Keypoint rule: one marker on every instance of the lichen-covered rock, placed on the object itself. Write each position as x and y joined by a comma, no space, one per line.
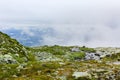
116,63
57,62
81,74
43,56
7,59
75,49
92,56
21,66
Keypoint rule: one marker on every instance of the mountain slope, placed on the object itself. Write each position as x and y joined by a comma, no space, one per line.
11,51
10,45
57,62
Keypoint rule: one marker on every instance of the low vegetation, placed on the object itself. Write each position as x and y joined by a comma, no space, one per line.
18,62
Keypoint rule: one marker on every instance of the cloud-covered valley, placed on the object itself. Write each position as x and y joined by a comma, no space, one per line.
66,22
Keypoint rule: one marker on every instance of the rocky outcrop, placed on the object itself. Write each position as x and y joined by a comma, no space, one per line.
81,74
57,62
92,56
102,53
43,56
11,49
75,49
8,59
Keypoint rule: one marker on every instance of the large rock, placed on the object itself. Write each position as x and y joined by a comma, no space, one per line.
92,56
81,74
7,59
75,49
43,56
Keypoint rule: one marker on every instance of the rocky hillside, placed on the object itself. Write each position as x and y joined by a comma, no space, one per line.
11,51
18,62
10,45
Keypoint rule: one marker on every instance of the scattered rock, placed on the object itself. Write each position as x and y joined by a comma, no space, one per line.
75,49
43,56
81,74
7,59
21,66
92,56
116,63
15,76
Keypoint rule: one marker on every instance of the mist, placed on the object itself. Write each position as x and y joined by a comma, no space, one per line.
74,22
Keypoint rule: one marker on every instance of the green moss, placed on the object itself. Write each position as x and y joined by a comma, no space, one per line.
113,57
77,55
86,49
8,70
83,78
55,50
51,70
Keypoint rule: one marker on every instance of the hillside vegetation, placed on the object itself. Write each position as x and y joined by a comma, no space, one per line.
18,62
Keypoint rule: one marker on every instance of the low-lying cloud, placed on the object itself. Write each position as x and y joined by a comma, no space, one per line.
74,22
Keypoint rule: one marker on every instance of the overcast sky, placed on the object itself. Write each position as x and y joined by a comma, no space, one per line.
75,22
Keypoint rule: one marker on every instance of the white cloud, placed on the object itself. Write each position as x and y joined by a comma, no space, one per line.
75,22
89,35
